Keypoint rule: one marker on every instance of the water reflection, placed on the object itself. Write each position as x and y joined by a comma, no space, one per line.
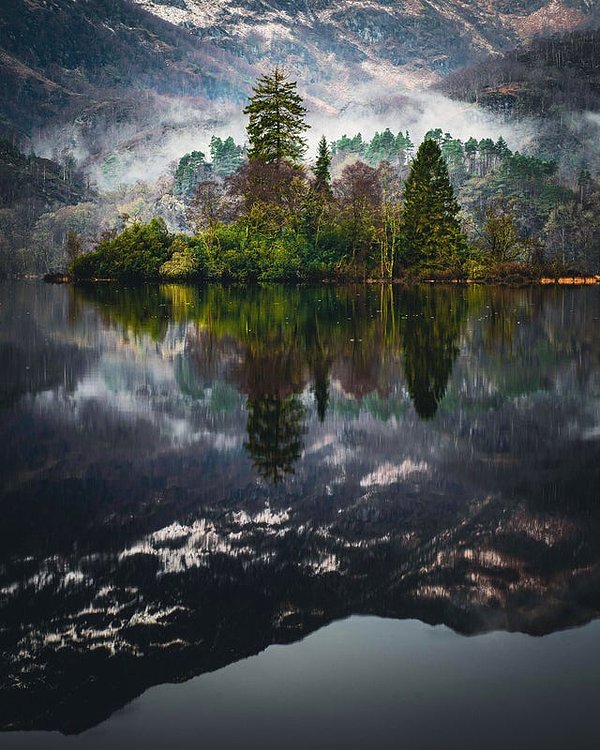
277,342
190,474
275,427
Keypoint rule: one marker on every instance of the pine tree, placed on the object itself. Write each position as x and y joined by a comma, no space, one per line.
322,168
276,120
191,170
432,233
226,156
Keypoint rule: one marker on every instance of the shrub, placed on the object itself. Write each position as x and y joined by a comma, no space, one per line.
185,261
138,252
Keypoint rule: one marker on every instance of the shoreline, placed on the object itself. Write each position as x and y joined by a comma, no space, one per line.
60,278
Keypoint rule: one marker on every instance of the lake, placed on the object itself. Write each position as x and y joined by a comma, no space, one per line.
307,517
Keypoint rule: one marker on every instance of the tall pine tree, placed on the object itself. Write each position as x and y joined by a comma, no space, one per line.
276,120
322,168
432,235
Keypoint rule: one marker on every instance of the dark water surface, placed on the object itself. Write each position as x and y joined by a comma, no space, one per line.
193,475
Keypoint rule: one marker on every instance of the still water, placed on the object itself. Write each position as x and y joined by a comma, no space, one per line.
313,517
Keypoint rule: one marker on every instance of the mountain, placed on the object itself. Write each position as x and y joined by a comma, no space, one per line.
554,82
88,61
336,41
124,88
93,76
546,76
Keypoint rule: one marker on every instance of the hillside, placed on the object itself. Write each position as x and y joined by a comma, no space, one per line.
123,89
548,75
411,42
89,60
553,82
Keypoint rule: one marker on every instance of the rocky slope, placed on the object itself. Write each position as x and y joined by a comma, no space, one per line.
547,76
88,61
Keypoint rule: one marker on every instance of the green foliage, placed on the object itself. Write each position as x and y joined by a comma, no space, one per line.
226,156
354,145
276,120
383,146
235,256
137,253
431,231
191,169
185,261
386,217
323,168
500,236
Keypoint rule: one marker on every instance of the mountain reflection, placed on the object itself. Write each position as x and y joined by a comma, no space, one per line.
191,474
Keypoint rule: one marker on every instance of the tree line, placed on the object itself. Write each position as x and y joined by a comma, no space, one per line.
364,209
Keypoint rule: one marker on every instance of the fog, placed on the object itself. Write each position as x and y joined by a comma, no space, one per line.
146,149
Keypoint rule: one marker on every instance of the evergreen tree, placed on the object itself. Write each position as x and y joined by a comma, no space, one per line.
276,120
431,228
322,168
191,170
226,156
436,135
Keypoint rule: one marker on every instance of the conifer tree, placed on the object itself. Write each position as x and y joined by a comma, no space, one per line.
276,120
322,168
275,435
431,228
226,155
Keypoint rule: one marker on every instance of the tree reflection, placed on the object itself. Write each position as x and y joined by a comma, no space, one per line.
275,428
434,320
276,341
321,388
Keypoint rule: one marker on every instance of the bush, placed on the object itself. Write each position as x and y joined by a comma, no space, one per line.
514,272
85,266
280,262
187,260
138,252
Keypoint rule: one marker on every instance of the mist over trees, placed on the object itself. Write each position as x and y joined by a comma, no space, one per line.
284,222
364,208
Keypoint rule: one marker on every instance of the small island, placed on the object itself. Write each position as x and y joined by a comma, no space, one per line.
271,217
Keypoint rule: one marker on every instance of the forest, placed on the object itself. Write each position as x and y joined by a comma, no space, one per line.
362,210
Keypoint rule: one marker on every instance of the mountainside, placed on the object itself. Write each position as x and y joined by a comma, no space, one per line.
89,61
554,82
203,51
548,75
124,88
329,40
